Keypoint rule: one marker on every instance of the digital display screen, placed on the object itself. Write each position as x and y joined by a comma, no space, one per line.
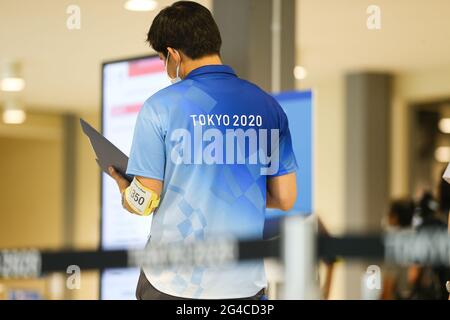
126,85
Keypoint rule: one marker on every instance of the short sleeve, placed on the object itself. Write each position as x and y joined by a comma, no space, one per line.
147,155
287,161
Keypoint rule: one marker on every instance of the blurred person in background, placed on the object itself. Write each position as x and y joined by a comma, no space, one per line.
428,282
428,213
395,277
329,263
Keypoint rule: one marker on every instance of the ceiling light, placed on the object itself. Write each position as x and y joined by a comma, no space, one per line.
442,154
12,84
141,5
300,73
14,116
11,79
13,113
444,125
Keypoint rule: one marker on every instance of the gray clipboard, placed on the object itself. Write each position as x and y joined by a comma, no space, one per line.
106,153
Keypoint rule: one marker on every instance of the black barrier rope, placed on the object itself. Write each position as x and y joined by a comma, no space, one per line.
34,263
353,246
425,248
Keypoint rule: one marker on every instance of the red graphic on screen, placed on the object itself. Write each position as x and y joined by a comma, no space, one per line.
145,66
128,109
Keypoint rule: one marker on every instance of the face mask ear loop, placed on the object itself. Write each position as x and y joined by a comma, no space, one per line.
167,60
177,78
178,68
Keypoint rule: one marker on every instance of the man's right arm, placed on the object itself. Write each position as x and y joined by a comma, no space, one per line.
281,191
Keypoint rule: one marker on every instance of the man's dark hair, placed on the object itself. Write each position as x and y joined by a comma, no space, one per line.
403,210
186,26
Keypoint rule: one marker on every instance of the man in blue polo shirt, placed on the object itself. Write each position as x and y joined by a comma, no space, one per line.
210,153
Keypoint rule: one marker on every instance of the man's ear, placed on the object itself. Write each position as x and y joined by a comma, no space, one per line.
174,54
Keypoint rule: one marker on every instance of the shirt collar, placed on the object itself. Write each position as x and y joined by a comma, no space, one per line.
210,69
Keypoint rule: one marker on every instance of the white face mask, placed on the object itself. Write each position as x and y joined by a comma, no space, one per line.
177,78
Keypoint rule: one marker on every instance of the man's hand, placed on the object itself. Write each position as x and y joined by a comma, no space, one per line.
122,183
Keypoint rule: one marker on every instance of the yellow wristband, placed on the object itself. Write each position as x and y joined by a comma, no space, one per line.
142,200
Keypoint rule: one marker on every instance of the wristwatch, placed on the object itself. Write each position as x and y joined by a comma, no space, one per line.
448,286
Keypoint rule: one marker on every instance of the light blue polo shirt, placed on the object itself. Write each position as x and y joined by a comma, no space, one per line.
213,139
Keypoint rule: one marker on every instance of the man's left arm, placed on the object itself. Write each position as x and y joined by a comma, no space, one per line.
152,184
146,162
